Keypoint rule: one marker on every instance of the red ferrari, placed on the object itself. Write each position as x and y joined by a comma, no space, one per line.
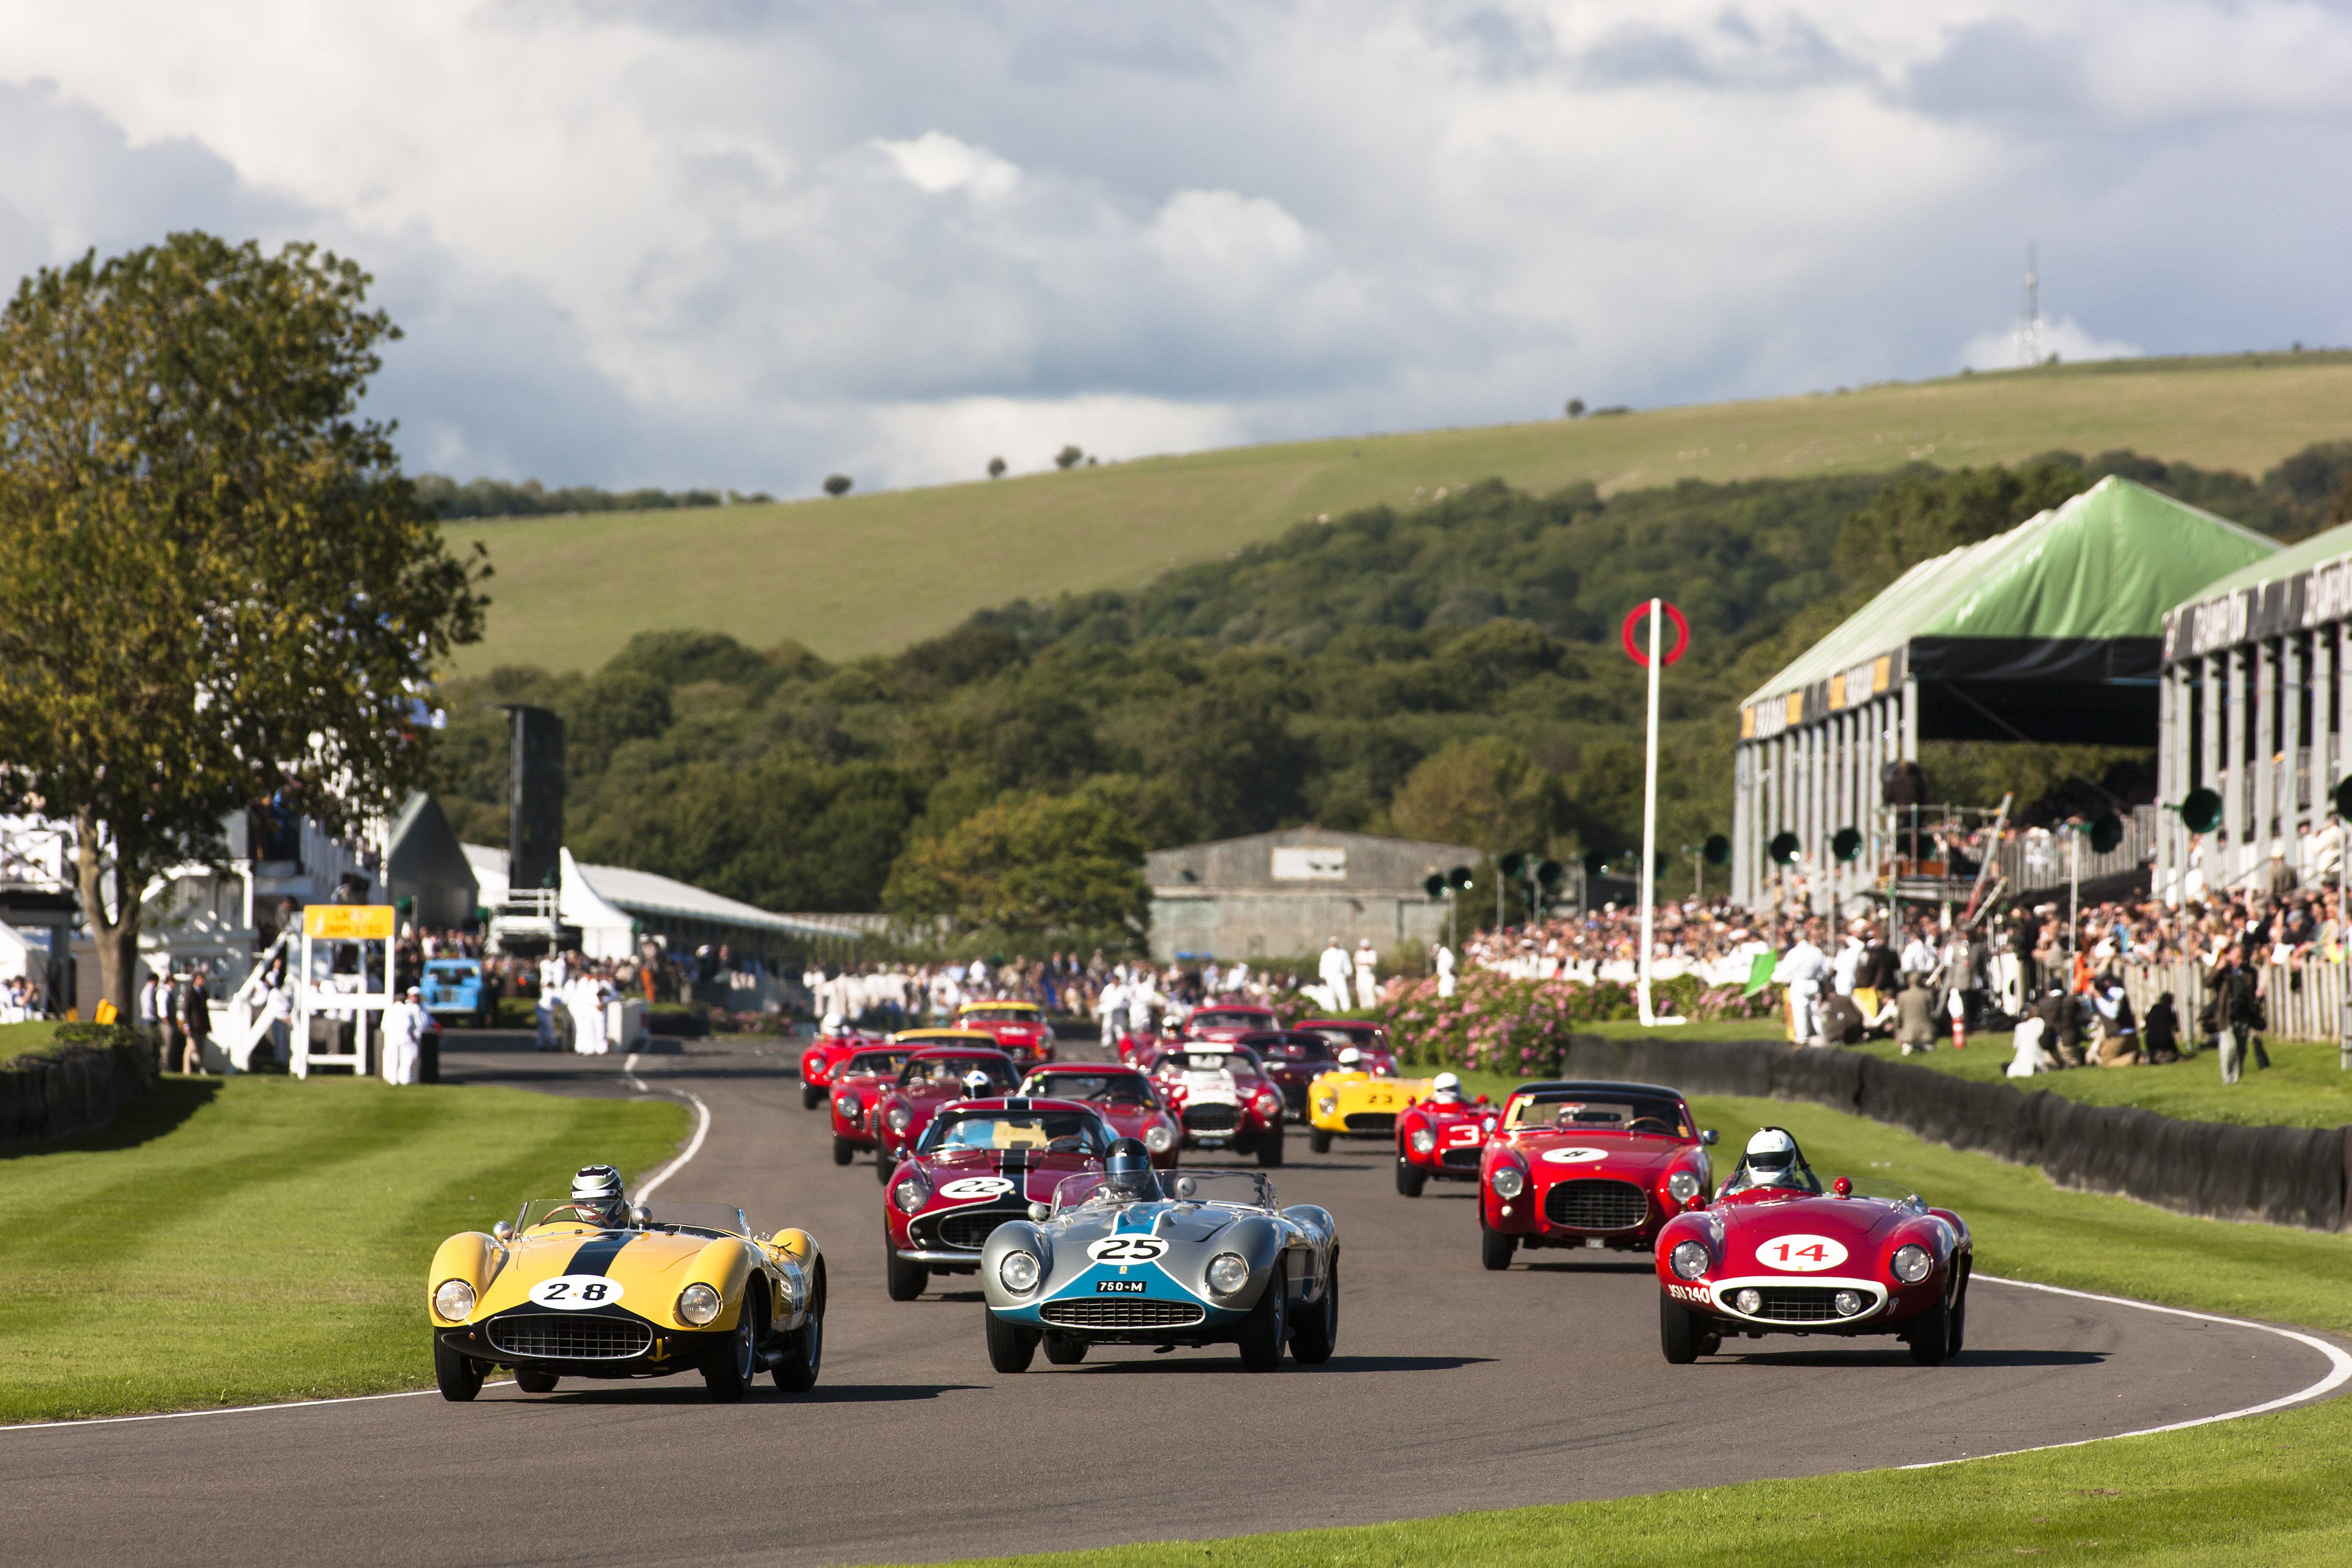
1380,1056
858,1087
936,1073
977,1163
1229,1020
1122,1096
823,1059
1019,1029
1440,1140
1222,1097
1588,1164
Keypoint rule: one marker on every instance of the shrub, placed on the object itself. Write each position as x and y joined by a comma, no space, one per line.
1520,1027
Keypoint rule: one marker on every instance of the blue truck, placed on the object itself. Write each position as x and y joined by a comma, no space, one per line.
456,993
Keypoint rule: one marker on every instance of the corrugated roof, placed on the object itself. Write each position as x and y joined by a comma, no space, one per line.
2110,562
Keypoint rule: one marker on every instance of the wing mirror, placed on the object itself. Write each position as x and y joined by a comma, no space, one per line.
1842,1187
640,1216
503,1230
1709,1135
1041,1212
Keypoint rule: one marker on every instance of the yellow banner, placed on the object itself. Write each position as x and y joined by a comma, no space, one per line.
347,922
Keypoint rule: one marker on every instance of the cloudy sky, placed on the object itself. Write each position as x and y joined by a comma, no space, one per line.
748,244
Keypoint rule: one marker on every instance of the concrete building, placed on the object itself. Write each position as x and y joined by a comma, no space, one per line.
1284,895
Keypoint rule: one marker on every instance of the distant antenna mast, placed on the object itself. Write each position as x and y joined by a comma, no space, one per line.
2028,324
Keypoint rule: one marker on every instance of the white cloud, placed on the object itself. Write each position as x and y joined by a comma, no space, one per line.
639,244
2063,337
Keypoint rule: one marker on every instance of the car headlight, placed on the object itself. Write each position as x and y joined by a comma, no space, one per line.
1509,1182
1159,1139
1268,1102
1913,1263
1847,1302
899,1119
1689,1259
1228,1272
697,1304
847,1105
910,1194
1325,1104
1683,1186
1749,1302
1423,1140
453,1300
1019,1271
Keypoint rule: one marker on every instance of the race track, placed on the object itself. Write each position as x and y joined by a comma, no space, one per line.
1453,1389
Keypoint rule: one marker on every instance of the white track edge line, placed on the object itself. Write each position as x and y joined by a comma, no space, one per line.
2339,1372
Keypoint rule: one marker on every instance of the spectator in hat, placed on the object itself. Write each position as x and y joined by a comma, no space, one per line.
2237,1008
1915,1015
2277,876
2160,1031
2118,1044
1366,975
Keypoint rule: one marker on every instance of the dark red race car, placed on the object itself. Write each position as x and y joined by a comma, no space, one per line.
1293,1058
1229,1020
859,1086
1122,1096
963,1066
1221,1096
1379,1056
824,1059
1775,1254
1020,1028
1588,1164
1440,1140
977,1163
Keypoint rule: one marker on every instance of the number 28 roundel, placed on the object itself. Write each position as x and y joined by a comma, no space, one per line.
576,1292
1800,1254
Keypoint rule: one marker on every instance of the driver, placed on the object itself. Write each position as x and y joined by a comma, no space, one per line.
1445,1088
1352,1059
1773,1160
597,1199
1126,1172
834,1026
975,1085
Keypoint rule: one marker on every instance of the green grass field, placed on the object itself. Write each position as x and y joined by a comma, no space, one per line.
26,1040
235,1241
871,574
2303,1086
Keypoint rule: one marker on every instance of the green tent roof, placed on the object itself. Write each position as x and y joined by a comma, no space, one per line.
2109,563
2317,551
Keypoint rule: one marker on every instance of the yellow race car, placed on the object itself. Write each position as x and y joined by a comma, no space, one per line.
608,1289
1352,1103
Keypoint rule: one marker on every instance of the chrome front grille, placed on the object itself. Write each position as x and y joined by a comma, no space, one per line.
1370,1121
1597,1204
565,1336
1460,1159
1800,1304
966,1229
1122,1314
1212,1118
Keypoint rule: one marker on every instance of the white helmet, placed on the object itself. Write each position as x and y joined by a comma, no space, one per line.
596,1184
1445,1086
1349,1056
1772,1153
835,1024
975,1084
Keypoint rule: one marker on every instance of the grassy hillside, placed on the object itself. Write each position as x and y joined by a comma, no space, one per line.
871,574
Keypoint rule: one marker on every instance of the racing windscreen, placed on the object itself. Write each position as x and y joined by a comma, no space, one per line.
1617,1112
1058,1131
1103,1087
1241,1189
876,1064
999,1072
554,1215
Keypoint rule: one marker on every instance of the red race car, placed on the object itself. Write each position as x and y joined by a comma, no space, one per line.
1222,1097
1440,1139
1020,1028
1122,1096
1775,1254
1588,1164
858,1087
1379,1056
1229,1020
824,1059
976,1165
1293,1058
945,1064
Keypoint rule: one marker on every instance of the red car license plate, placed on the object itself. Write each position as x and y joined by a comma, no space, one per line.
1118,1287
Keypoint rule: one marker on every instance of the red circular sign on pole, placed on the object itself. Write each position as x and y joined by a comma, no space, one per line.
1642,612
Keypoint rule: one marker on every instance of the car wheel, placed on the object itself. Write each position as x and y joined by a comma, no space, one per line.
1065,1349
1270,1148
843,1150
729,1372
812,1096
883,1166
531,1382
804,1348
1931,1334
1319,1141
1679,1331
1263,1331
1959,1317
1317,1328
460,1377
1010,1345
1410,1177
1494,1248
907,1279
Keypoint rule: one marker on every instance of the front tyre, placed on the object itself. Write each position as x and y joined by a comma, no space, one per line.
1410,1177
1010,1345
843,1150
531,1382
460,1376
905,1278
1270,1148
1317,1328
804,1348
812,1096
1495,1248
729,1372
883,1166
1065,1350
1931,1334
1680,1333
1319,1141
1959,1317
1267,1325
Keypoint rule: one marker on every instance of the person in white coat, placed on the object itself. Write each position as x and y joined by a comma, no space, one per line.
589,1036
404,1036
1367,973
1444,970
1336,971
1112,1003
1804,969
553,975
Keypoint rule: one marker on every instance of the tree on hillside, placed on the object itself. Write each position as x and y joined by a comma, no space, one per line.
1039,868
837,484
995,467
1575,409
214,582
1068,457
1484,792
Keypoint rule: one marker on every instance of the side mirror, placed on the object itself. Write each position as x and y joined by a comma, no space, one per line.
1842,1187
503,1230
1709,1136
640,1216
1041,1212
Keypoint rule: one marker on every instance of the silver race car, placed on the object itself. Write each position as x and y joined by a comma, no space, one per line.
1137,1256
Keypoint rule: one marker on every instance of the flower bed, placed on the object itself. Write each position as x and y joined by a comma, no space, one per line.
1520,1027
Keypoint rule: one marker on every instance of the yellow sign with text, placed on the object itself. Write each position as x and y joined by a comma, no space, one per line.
347,922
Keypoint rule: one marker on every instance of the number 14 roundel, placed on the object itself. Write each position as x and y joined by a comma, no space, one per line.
1800,1254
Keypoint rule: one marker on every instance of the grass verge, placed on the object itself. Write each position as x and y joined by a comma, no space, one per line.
26,1040
254,1238
2303,1087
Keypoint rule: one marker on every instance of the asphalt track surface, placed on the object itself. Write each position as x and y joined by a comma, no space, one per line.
1451,1389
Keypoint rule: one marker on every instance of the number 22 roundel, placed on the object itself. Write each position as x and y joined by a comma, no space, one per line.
1800,1254
576,1292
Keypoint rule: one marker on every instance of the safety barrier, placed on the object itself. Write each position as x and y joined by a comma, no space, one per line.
95,1071
2281,1175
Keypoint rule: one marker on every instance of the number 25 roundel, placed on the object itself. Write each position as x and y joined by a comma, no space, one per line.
1127,1249
1800,1254
576,1292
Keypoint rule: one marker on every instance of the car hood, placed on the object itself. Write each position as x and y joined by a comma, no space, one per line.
1033,1174
1858,1225
1186,1223
651,1266
1560,1155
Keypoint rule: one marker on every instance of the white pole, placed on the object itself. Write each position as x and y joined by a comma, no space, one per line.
1650,823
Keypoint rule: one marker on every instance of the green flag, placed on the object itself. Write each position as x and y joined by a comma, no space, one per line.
1760,973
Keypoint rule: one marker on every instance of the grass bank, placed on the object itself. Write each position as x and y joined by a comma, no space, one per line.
26,1040
254,1239
2303,1087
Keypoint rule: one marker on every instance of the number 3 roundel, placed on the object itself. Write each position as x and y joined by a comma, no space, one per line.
1800,1254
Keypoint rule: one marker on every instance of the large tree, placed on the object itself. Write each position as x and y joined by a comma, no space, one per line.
216,586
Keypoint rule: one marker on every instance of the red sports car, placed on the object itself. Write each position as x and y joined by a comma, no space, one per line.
934,1075
1122,1096
859,1086
1380,1056
1440,1140
976,1165
1229,1020
1588,1164
823,1059
1222,1097
1020,1028
1775,1254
